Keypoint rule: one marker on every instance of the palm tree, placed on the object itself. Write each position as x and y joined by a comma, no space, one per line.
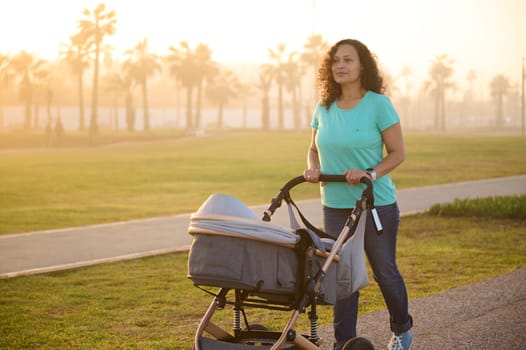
183,67
314,50
146,65
441,71
76,54
499,87
127,81
265,83
26,67
41,90
206,72
223,87
279,76
293,73
112,85
245,91
4,82
96,25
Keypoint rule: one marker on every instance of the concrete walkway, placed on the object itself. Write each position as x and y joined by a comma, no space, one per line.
489,315
45,251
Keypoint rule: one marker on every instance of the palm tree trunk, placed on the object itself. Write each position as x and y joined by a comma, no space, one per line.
94,127
245,112
280,107
80,84
500,118
443,111
265,111
437,110
130,112
145,106
189,126
197,121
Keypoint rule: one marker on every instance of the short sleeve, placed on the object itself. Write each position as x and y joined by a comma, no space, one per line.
315,117
387,114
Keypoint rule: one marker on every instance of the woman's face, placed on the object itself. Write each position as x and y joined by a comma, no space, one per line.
346,67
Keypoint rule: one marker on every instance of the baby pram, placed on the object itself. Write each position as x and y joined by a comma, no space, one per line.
257,264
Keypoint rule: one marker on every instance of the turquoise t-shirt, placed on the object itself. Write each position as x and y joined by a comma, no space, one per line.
352,139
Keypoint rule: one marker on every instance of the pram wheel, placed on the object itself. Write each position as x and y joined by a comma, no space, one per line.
358,344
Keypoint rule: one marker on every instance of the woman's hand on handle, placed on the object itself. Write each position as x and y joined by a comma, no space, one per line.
353,176
311,175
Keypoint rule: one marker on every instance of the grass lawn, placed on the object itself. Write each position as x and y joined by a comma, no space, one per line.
150,304
44,189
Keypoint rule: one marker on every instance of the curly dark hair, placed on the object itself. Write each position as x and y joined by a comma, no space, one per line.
370,77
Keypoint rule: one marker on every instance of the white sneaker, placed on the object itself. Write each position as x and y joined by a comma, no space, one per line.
401,342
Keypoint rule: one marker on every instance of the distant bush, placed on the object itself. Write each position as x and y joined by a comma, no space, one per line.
511,207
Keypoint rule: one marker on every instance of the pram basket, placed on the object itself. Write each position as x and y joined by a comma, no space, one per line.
256,264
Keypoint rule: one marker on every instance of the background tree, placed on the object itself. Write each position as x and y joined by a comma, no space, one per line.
4,83
293,72
183,67
244,92
311,56
113,85
222,88
499,87
96,25
42,92
145,65
127,81
207,71
440,72
265,83
471,77
76,55
26,67
278,71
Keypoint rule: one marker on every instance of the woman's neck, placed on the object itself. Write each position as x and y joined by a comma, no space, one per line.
352,94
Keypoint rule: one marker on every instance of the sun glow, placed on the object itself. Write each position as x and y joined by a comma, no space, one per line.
485,35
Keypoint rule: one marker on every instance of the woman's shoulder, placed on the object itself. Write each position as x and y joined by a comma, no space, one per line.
376,96
378,99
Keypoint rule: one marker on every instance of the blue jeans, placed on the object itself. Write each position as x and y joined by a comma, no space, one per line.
381,253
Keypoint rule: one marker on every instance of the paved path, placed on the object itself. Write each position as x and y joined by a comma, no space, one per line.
45,251
489,315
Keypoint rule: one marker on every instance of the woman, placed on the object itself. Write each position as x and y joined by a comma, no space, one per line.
351,125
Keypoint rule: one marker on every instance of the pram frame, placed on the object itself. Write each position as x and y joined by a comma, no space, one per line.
288,336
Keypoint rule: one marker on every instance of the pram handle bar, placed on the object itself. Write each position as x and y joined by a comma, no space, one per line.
284,192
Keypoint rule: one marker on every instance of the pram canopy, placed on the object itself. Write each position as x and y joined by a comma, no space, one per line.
225,215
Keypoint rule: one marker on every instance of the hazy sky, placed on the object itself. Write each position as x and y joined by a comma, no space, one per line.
486,35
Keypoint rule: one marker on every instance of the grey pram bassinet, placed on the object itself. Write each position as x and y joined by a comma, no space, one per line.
233,248
261,265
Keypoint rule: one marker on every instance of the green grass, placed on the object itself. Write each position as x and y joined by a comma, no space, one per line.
150,304
496,207
65,187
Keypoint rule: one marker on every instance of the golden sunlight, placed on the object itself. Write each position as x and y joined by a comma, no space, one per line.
480,44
